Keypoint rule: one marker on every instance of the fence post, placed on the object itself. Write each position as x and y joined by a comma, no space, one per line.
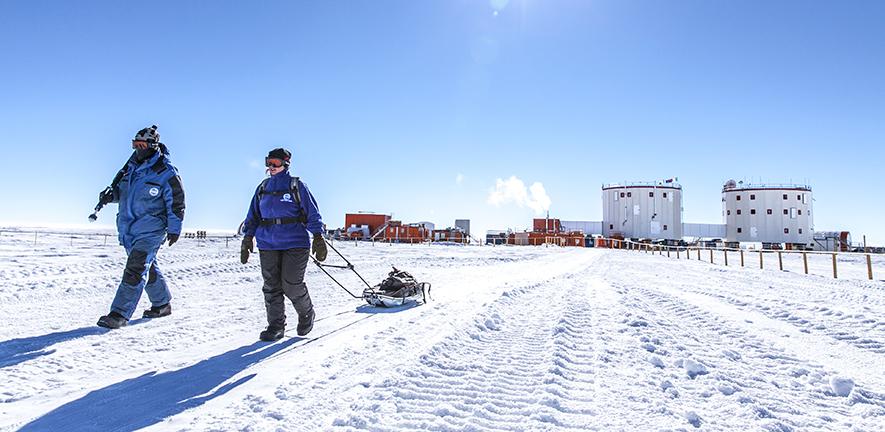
668,251
35,238
780,260
760,259
725,254
869,267
835,274
805,261
105,239
699,254
742,257
711,256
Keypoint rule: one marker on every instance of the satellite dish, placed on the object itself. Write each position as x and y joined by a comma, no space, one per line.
730,184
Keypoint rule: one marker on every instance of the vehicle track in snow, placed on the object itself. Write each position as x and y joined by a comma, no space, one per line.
758,380
539,358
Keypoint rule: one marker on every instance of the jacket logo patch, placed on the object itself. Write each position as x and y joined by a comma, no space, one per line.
286,198
154,191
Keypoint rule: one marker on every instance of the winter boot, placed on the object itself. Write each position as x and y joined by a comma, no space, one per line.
158,311
271,334
305,322
112,320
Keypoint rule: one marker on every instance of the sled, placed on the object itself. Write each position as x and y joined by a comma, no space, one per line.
398,289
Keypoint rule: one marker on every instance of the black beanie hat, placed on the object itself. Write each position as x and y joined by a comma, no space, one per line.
280,153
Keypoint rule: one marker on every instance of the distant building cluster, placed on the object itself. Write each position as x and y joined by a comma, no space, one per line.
773,215
381,227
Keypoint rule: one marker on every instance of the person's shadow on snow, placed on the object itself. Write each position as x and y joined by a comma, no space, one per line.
15,351
146,400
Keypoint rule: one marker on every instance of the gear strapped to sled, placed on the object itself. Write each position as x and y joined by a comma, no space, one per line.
398,289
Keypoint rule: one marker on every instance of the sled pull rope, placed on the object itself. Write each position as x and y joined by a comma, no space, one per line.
321,266
349,266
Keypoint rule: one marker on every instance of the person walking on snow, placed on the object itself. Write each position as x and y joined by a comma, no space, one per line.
281,216
151,210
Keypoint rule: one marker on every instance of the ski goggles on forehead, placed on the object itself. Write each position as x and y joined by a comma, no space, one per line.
273,162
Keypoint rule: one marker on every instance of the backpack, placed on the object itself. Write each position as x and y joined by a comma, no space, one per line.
296,196
399,284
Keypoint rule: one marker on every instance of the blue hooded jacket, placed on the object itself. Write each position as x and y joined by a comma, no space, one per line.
151,198
282,205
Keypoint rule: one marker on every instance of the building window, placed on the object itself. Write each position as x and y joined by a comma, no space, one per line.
752,211
768,211
651,194
728,212
629,194
800,230
739,211
752,196
739,230
785,211
665,227
622,194
800,212
799,197
786,230
611,226
665,194
785,196
738,198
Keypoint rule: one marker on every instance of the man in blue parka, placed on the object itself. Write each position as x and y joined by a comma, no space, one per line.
151,210
282,216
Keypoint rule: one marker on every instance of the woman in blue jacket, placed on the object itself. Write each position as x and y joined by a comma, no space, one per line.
151,210
282,215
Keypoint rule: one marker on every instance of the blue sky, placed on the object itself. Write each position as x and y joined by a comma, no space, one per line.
417,108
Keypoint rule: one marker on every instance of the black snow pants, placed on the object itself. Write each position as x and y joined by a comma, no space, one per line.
283,272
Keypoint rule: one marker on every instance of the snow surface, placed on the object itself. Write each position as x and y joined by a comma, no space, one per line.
515,338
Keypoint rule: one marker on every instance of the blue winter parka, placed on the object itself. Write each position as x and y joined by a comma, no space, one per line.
276,203
151,199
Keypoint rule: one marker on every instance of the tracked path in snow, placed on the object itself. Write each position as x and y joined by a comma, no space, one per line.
550,356
753,371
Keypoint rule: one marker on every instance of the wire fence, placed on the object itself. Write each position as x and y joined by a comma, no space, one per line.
836,264
37,237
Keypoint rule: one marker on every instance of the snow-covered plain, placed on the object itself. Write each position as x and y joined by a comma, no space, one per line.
515,338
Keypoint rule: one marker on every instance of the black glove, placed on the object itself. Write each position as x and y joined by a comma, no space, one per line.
106,196
319,247
172,238
245,248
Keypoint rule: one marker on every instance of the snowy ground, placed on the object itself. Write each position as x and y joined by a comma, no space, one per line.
516,338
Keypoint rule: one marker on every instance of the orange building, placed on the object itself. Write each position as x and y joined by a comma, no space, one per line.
547,225
364,225
412,233
450,235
